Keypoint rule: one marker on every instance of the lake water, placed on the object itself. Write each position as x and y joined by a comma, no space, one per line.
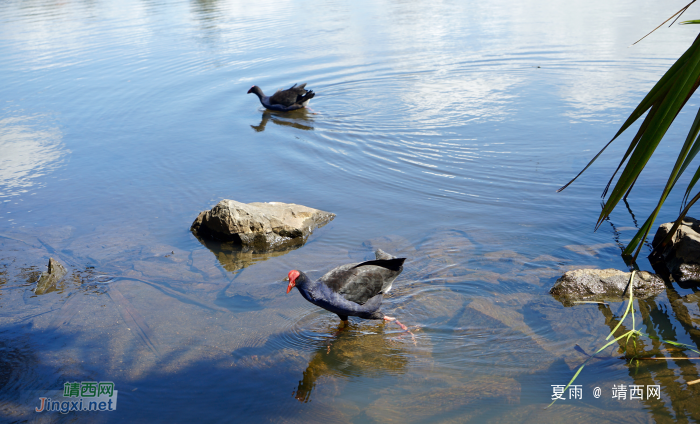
440,132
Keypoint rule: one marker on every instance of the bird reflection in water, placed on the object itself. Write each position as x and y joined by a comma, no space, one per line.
298,119
355,350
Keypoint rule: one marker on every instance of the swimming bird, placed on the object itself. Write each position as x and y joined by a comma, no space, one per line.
353,289
293,98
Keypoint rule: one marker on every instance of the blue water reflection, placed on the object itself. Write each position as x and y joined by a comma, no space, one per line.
440,131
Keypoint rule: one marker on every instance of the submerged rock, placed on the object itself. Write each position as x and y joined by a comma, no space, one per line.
682,256
260,226
51,277
604,284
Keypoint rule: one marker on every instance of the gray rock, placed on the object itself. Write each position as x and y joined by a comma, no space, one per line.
682,256
260,226
604,284
51,277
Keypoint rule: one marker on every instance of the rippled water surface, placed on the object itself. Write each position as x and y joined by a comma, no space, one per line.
440,132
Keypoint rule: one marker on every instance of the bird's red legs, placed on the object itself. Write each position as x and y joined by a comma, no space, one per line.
392,319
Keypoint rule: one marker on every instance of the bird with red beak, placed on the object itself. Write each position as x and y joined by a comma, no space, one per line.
356,289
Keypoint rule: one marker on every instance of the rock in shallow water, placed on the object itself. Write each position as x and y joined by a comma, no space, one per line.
604,284
51,277
260,226
682,256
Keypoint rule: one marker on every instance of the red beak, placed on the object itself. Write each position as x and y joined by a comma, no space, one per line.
293,275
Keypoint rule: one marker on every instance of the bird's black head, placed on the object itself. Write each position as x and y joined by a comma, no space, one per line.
254,89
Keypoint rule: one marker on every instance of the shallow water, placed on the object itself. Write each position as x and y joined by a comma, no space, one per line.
440,132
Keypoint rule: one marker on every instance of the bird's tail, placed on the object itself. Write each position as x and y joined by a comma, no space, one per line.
308,96
392,264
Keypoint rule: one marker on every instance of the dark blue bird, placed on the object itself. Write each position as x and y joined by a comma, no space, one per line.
353,289
293,98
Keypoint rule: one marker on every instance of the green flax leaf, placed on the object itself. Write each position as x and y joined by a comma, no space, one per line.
658,92
686,155
668,110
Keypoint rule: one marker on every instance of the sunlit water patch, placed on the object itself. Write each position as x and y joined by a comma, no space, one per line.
29,150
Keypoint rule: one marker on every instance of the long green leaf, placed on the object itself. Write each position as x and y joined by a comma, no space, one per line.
629,306
691,155
662,86
668,110
692,183
633,143
634,326
693,151
678,168
687,346
641,131
642,232
657,92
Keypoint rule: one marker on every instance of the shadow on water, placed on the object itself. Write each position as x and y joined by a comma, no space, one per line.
209,390
24,367
249,386
300,119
